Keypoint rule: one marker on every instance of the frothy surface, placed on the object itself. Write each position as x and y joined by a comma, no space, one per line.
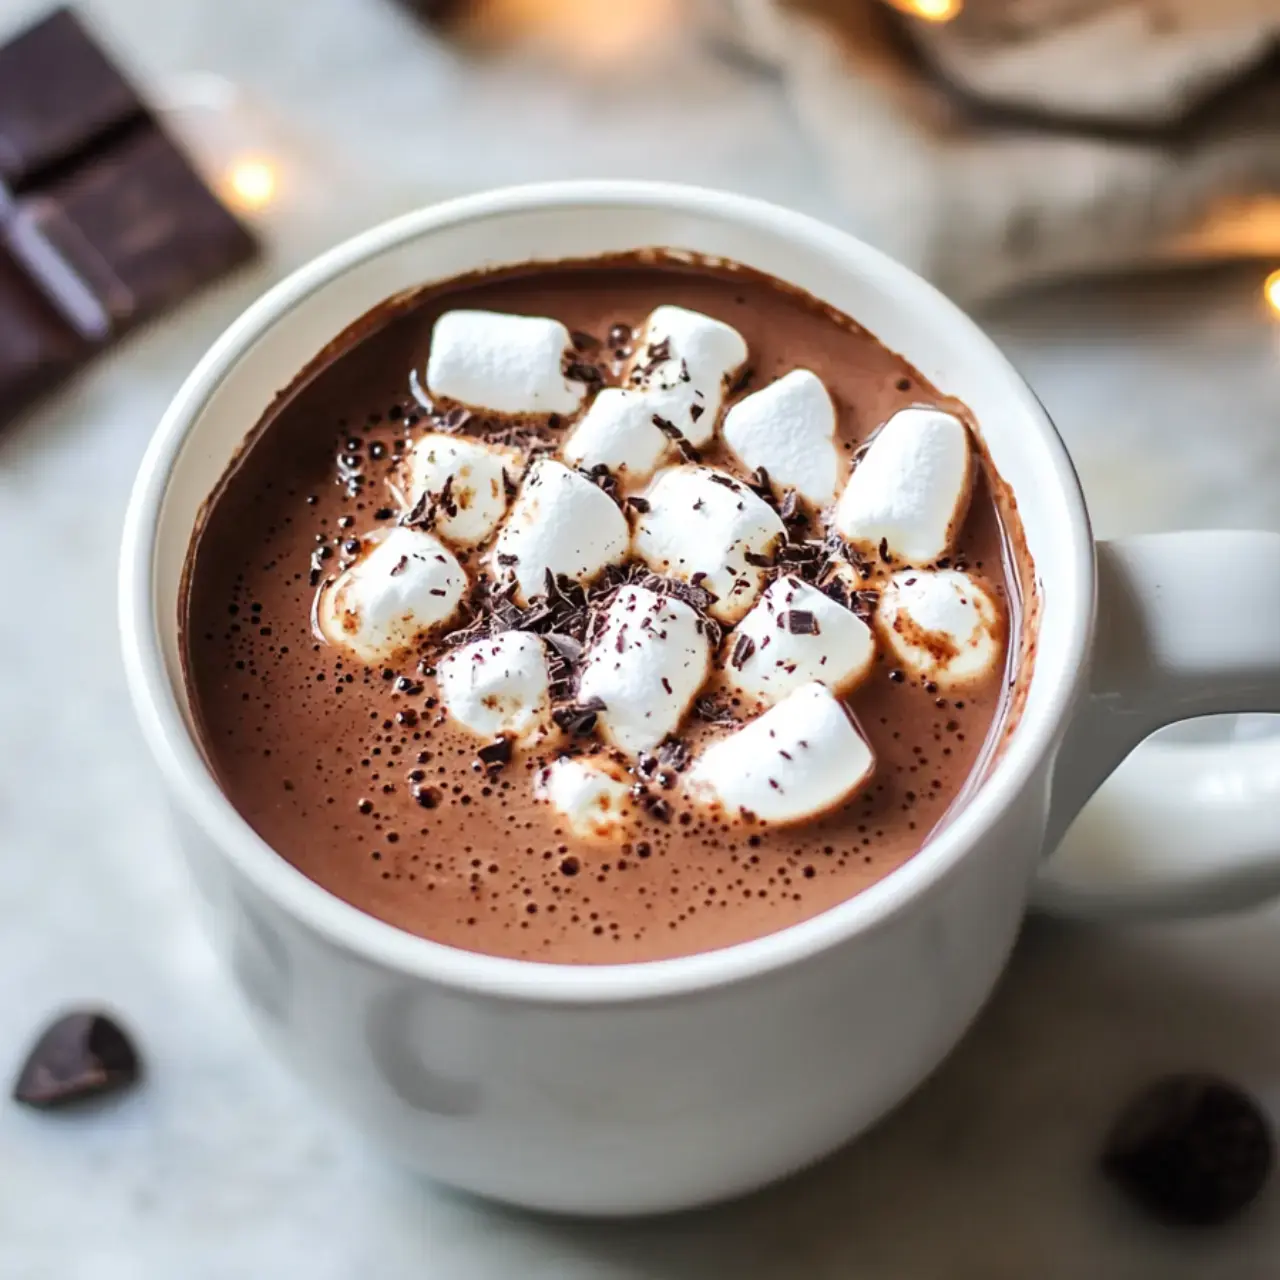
353,774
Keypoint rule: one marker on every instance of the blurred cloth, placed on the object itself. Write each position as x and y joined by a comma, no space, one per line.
1028,139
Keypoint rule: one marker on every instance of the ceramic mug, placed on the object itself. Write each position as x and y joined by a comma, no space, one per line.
640,1088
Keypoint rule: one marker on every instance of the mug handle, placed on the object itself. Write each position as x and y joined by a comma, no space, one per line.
1188,624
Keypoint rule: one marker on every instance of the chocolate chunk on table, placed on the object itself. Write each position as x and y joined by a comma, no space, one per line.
103,222
80,1055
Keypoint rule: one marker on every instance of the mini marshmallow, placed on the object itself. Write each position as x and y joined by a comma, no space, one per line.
702,524
911,488
646,665
618,431
560,522
505,363
464,483
692,354
788,428
498,685
942,625
794,635
793,763
408,585
592,793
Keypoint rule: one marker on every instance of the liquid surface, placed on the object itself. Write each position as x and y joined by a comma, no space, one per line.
353,774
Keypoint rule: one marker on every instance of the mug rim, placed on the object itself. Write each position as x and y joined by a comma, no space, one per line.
191,783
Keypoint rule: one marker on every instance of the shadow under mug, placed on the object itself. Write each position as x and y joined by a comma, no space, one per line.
641,1088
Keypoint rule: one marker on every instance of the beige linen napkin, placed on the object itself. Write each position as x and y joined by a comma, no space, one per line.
1036,138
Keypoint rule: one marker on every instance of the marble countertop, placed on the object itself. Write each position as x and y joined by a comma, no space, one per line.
1168,391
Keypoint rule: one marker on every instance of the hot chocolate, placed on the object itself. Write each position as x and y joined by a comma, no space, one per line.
602,612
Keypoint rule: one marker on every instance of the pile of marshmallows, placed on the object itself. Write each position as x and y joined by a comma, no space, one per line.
787,651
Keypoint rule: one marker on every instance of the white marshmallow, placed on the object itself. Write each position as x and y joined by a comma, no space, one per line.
797,760
789,429
778,659
941,625
407,586
911,487
505,363
617,431
646,665
498,686
703,523
562,522
591,792
473,472
702,355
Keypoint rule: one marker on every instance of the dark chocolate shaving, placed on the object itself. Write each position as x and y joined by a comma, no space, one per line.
743,647
400,566
581,371
494,755
800,622
578,718
638,504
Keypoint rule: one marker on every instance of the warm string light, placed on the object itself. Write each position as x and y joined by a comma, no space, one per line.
1271,291
251,184
929,10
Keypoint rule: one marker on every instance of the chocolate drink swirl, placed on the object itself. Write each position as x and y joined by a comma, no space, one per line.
355,774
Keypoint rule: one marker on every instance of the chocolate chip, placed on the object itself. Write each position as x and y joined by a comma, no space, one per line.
1192,1150
81,1055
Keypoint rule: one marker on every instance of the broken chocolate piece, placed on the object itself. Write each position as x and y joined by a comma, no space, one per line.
1192,1150
81,1055
59,94
103,222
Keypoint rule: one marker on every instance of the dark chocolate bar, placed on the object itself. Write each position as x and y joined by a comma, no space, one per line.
103,222
59,93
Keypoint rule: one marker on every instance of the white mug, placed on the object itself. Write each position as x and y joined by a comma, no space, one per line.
625,1089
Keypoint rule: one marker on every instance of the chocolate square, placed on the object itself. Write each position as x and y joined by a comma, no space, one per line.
103,222
59,94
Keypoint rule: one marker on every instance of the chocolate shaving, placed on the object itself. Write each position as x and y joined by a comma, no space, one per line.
743,647
719,478
696,411
656,355
400,566
581,371
604,479
800,622
677,437
455,419
567,647
494,755
713,710
638,504
578,718
507,559
758,559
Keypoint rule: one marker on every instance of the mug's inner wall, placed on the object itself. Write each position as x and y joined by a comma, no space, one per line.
898,309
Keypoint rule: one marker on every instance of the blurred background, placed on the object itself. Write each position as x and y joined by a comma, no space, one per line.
1097,180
